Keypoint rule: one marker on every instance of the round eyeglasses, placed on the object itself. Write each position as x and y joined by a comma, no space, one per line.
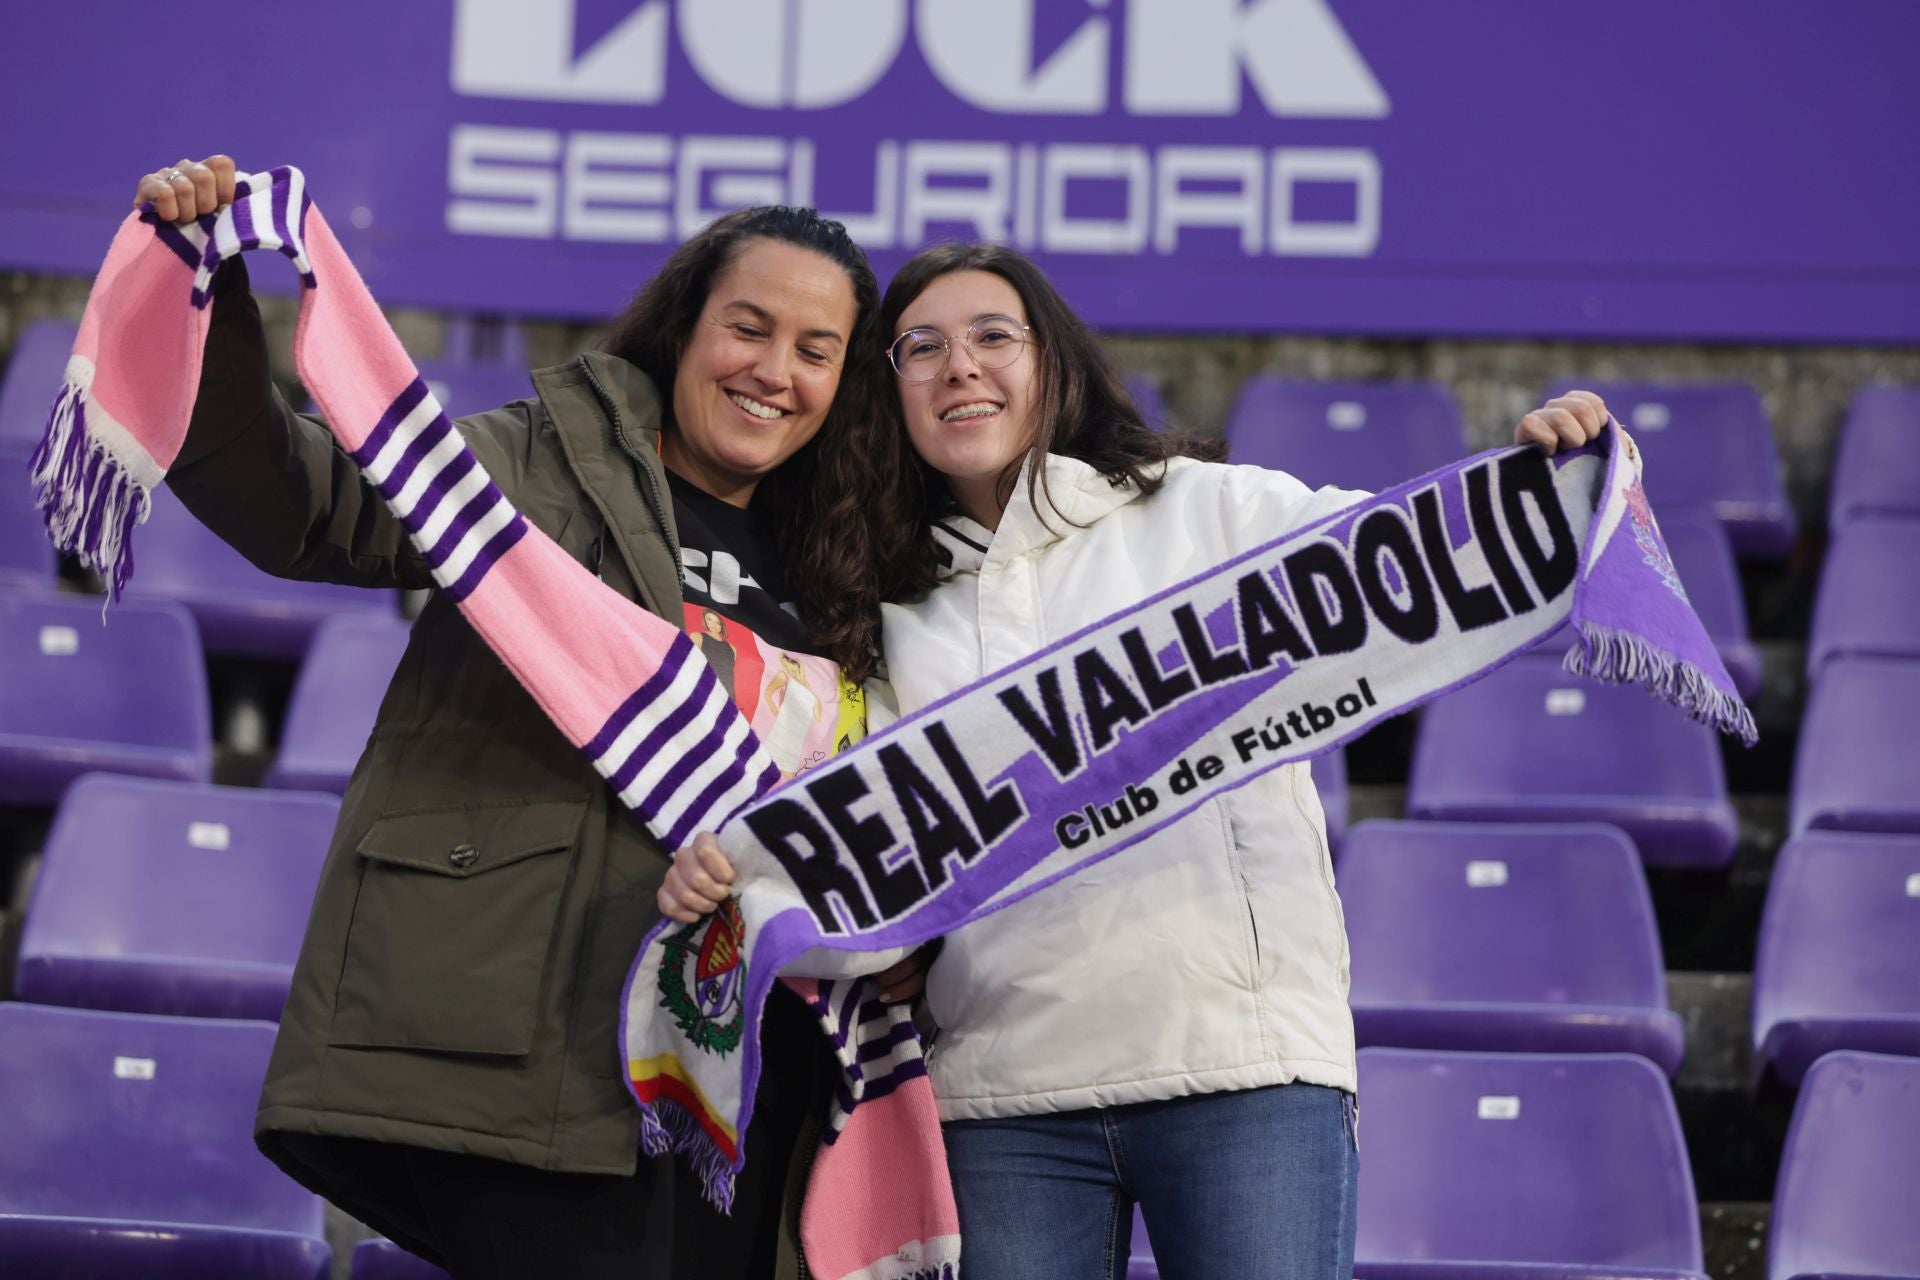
994,342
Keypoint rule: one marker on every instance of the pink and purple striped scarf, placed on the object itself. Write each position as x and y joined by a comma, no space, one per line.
958,810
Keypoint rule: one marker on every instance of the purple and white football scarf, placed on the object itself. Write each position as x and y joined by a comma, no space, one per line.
966,806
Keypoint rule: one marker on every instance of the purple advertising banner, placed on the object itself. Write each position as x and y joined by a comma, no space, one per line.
1709,169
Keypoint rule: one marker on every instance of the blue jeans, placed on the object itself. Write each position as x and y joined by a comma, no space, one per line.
1257,1185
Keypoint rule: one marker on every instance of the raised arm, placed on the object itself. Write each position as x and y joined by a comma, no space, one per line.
272,483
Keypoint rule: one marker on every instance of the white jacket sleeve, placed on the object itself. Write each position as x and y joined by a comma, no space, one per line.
1255,505
883,705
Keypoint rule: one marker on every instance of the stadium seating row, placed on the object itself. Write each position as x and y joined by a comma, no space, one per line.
186,899
1529,1165
1528,743
1716,481
1711,443
1532,1167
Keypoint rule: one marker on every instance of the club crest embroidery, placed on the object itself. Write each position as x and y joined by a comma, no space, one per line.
702,976
1646,533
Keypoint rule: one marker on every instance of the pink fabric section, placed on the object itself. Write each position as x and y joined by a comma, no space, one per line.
350,334
149,382
536,607
885,1178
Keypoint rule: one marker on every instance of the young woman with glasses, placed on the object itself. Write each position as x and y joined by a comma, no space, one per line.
1169,1028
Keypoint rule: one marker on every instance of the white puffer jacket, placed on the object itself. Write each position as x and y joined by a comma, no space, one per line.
1212,955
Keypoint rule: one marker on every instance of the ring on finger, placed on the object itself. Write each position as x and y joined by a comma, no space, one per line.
171,176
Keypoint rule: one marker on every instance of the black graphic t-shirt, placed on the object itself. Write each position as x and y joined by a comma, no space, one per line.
738,612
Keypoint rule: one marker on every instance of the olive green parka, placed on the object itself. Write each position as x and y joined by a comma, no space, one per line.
459,984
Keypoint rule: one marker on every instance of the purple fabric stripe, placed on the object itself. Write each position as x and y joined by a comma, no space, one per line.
656,738
403,404
676,651
498,545
170,236
637,701
885,1043
876,1089
129,517
822,997
409,462
843,1096
699,813
243,223
450,475
743,758
848,1007
769,779
705,747
62,474
462,524
884,1085
93,486
281,190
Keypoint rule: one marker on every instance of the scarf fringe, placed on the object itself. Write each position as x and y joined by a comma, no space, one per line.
935,1259
668,1129
87,494
1621,657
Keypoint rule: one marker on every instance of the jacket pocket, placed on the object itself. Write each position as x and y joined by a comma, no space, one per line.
452,928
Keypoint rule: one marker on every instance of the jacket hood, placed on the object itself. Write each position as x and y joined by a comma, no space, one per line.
1079,495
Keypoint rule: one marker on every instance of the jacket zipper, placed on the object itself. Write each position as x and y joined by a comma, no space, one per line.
806,1176
654,501
657,505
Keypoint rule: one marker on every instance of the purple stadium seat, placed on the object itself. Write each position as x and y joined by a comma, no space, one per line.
1523,1166
1876,471
1530,743
1838,965
1709,446
128,695
1330,780
1869,600
174,898
1146,394
464,388
35,372
1703,557
129,1152
341,683
241,610
1358,435
26,556
1857,768
1530,939
1844,1202
1140,1263
382,1259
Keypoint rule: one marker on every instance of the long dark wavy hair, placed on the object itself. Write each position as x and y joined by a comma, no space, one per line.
1083,410
825,505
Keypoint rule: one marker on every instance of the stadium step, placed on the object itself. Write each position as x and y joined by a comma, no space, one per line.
1734,1136
1733,1235
1710,920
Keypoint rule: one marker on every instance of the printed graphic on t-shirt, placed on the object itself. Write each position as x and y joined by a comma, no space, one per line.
799,704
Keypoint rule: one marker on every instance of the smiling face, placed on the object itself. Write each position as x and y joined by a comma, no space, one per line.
970,424
760,368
